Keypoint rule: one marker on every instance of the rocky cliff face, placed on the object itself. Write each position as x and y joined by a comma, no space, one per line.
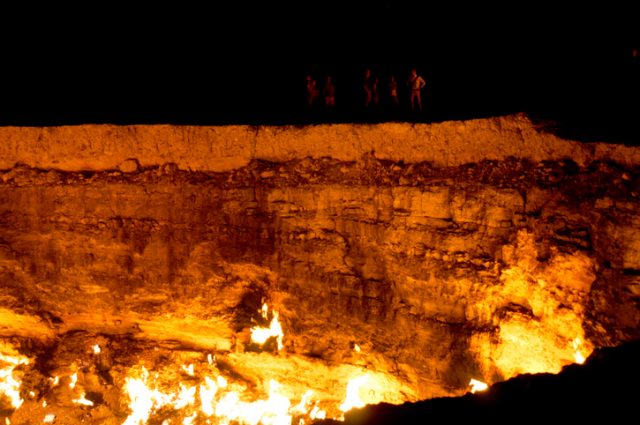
424,255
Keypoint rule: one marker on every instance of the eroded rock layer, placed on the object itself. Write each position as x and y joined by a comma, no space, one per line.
427,272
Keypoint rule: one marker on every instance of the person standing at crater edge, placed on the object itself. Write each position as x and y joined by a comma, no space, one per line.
416,83
329,92
312,93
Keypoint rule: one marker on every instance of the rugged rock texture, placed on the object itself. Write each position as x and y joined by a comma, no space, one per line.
465,249
224,148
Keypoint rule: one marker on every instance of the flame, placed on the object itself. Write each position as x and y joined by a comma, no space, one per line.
260,335
304,401
577,344
49,418
186,397
54,381
302,408
82,401
477,386
10,385
74,379
317,413
274,410
207,396
96,349
356,348
215,398
188,369
189,419
142,399
210,358
353,399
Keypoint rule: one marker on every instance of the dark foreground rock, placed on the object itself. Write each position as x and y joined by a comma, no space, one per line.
605,387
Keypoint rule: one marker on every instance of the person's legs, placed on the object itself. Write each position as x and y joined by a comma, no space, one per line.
416,103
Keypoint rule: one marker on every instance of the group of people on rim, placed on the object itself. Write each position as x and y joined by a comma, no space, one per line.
324,96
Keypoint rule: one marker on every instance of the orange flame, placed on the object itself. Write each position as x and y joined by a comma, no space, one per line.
353,399
83,401
477,386
9,384
260,335
577,345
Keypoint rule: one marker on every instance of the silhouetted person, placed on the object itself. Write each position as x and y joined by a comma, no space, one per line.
416,83
393,92
329,93
367,88
312,93
375,95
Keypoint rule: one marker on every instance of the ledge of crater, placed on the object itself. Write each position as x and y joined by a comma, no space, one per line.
224,148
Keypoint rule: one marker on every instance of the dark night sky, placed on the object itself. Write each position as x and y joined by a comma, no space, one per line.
246,64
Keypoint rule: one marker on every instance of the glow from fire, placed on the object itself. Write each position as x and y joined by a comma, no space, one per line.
189,419
96,349
188,369
217,400
260,335
142,400
274,410
354,387
10,384
577,346
83,401
477,386
74,379
49,418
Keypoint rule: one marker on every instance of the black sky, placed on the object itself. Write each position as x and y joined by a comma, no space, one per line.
243,63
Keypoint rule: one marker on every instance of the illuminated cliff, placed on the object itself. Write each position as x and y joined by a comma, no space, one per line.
419,255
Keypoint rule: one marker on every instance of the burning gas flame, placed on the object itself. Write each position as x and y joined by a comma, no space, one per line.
96,349
274,410
353,399
302,408
477,386
220,401
188,369
74,379
188,420
577,345
49,418
142,399
9,384
83,401
260,335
